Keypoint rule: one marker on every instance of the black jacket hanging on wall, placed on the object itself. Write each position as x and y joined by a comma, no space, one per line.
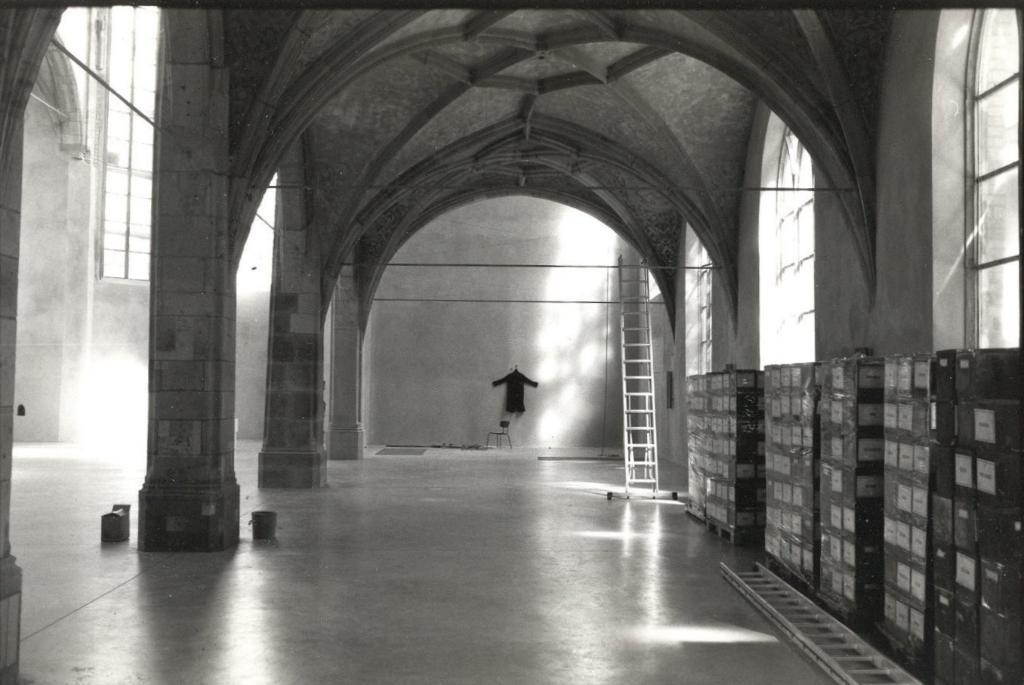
514,390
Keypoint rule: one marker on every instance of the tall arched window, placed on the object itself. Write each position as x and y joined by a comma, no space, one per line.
993,249
698,305
787,249
119,45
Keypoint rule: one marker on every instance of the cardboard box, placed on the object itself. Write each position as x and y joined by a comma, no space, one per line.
1000,533
943,462
988,374
943,423
944,566
944,376
998,475
1000,639
967,627
965,524
944,603
1001,585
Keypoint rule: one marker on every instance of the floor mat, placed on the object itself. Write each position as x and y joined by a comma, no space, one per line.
402,451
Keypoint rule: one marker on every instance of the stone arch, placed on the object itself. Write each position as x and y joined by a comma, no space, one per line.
57,86
371,274
568,156
806,111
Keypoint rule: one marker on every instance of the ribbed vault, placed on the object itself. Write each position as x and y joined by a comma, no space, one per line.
640,116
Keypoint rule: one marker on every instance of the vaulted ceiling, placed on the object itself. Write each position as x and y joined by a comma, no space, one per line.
640,117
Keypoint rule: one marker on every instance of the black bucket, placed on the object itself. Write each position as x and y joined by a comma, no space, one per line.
264,525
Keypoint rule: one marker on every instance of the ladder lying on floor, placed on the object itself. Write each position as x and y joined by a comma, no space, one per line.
639,442
836,648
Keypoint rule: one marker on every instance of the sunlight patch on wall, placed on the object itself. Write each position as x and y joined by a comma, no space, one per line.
571,338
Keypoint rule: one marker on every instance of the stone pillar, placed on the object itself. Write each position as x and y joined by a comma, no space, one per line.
10,573
345,434
24,37
189,501
292,454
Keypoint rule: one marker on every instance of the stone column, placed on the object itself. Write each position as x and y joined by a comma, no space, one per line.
189,501
345,434
292,454
10,573
24,36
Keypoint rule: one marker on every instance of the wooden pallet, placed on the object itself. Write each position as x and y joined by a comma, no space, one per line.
696,513
733,535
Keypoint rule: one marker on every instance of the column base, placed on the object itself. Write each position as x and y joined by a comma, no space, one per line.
345,443
292,469
10,611
181,518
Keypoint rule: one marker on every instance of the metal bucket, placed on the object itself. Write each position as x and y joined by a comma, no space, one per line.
264,525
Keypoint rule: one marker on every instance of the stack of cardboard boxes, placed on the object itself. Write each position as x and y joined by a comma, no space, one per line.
908,489
983,626
852,457
792,449
734,465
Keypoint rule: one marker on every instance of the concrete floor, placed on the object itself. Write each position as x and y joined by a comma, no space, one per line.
451,567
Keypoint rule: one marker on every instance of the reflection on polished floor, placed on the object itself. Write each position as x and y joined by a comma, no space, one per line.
450,567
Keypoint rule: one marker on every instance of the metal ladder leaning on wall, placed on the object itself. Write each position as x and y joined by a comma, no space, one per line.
639,441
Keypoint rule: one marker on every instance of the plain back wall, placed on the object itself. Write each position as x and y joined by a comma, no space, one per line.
429,365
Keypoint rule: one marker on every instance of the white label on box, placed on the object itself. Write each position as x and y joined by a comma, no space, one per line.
986,475
903,377
796,436
903,576
890,374
891,415
892,453
985,425
837,377
837,480
787,493
849,553
904,498
808,433
965,571
918,586
903,535
906,457
889,534
784,405
906,416
850,586
923,375
920,502
922,459
919,542
836,445
933,413
849,520
836,516
869,415
917,624
837,548
837,412
964,470
902,616
798,497
965,363
943,599
869,486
